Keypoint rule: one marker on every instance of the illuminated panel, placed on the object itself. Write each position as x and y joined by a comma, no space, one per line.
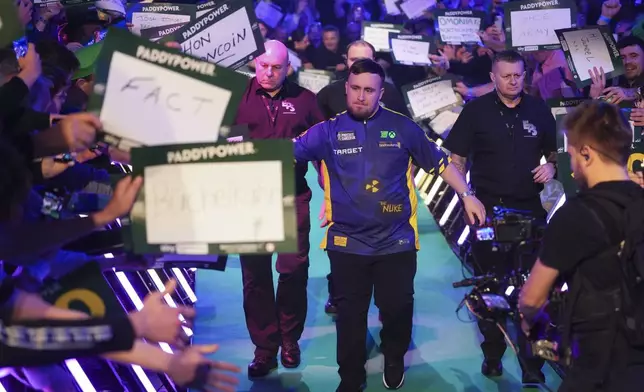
79,375
2,388
448,211
463,235
168,298
184,283
432,192
138,304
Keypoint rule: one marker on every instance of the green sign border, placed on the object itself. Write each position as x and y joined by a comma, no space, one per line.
265,150
609,40
118,40
516,6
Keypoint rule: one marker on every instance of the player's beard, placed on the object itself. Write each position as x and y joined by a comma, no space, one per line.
359,113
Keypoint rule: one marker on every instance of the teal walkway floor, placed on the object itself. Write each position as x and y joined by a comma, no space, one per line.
445,354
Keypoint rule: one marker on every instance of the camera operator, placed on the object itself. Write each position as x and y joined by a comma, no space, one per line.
587,241
504,133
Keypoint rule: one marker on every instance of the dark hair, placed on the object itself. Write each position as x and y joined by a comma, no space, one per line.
330,29
367,66
298,35
361,43
630,40
508,56
601,126
54,54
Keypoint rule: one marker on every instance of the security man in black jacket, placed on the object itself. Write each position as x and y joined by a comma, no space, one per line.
332,100
588,244
504,135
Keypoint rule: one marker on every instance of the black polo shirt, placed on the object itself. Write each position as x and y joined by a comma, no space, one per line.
504,144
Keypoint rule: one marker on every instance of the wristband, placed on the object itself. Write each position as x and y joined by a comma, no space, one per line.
605,19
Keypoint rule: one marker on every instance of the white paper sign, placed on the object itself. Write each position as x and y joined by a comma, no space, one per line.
225,42
416,8
192,206
427,100
378,37
410,52
151,105
147,20
444,121
200,13
588,49
391,8
537,27
458,29
313,81
268,13
296,63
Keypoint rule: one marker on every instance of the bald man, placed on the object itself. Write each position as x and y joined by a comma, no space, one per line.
274,108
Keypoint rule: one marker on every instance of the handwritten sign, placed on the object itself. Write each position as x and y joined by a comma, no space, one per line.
530,24
410,49
147,16
269,13
416,8
377,34
227,35
559,108
294,59
314,79
588,48
443,122
203,8
182,207
10,28
148,94
430,97
459,27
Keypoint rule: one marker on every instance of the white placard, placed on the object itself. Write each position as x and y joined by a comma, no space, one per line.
378,37
444,121
294,59
391,8
588,49
206,7
537,27
427,100
187,203
410,52
225,42
147,20
268,13
153,106
416,8
313,81
458,29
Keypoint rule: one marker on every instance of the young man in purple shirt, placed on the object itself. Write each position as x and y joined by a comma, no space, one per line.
274,108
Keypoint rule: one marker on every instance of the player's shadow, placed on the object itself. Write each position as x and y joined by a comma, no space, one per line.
283,382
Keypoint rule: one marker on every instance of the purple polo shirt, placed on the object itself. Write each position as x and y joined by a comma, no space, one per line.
285,116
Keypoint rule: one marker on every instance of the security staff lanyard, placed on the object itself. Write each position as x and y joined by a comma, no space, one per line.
271,108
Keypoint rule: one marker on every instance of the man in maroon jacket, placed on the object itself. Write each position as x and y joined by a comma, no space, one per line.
274,108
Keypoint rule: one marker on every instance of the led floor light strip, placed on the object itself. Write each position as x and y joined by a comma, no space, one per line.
168,298
138,304
2,388
184,284
79,375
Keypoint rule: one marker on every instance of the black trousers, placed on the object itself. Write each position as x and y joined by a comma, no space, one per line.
274,319
604,363
488,261
355,278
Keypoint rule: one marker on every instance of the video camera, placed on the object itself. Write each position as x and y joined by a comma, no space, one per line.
493,298
509,226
